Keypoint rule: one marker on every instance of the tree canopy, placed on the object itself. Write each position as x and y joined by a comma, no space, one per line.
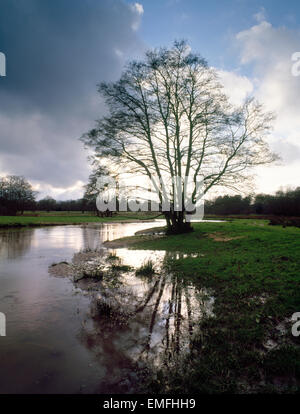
16,194
168,116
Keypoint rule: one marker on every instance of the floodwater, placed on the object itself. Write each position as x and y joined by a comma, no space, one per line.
56,343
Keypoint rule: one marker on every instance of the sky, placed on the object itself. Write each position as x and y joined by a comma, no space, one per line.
57,51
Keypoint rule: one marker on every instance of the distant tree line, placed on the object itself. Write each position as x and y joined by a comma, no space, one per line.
50,204
17,196
283,203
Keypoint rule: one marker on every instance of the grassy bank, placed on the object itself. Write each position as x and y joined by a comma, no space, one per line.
254,271
65,218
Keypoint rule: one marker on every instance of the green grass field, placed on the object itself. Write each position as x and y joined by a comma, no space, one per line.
253,270
65,217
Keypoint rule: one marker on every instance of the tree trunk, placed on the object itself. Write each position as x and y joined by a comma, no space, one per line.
176,223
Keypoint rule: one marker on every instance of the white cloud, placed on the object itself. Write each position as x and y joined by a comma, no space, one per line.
138,9
236,87
59,193
119,53
35,146
268,50
261,15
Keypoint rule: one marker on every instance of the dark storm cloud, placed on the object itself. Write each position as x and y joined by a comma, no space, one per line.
57,51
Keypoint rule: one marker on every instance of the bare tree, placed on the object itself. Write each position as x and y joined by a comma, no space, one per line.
169,117
92,191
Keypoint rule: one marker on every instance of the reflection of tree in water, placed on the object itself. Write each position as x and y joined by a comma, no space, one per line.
91,239
160,314
15,243
176,307
93,236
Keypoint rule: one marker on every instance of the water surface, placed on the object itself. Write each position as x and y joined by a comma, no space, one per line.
56,344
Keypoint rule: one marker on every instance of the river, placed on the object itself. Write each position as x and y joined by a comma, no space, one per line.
54,343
